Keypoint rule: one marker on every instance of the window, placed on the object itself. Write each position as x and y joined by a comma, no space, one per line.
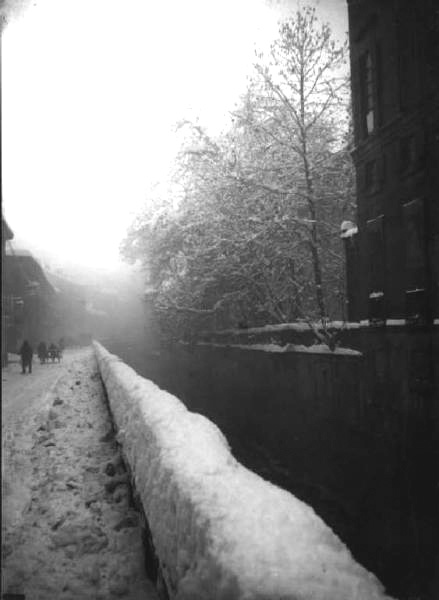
415,267
409,89
367,94
374,174
376,258
370,176
406,153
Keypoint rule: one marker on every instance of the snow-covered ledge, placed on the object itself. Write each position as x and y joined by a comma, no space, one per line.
219,530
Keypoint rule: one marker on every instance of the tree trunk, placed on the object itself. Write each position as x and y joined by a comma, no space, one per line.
315,255
317,269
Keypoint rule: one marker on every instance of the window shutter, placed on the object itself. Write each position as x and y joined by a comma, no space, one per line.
415,263
377,267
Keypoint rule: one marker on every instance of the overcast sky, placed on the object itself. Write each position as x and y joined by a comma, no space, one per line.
91,90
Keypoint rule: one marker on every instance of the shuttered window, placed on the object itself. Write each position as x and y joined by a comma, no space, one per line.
415,262
367,94
377,267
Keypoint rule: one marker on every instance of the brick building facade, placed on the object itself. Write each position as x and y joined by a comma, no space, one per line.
29,300
393,261
393,270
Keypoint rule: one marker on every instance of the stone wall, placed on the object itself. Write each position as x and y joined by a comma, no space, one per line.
219,530
355,435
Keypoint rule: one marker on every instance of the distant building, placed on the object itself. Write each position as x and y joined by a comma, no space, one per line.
29,299
7,234
393,260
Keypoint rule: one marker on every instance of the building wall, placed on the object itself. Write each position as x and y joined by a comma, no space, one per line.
393,261
29,300
395,77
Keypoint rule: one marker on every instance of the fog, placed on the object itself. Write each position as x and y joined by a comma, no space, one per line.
91,94
90,97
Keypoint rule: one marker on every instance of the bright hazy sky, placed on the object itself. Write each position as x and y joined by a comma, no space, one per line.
91,90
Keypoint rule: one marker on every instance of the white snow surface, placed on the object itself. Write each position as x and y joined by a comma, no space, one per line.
221,531
350,232
314,349
296,326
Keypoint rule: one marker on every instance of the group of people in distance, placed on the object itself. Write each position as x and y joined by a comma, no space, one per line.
53,352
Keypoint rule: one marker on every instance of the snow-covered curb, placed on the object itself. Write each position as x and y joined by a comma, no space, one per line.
221,531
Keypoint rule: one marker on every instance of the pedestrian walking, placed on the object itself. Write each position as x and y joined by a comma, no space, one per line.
53,352
42,352
26,353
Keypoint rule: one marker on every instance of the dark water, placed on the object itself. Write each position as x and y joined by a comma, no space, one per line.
367,495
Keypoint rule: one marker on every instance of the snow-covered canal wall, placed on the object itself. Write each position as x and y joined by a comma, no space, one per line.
219,530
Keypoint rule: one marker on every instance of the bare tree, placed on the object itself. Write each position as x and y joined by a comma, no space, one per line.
305,91
253,236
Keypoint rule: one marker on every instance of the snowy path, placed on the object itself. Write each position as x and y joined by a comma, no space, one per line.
25,403
68,531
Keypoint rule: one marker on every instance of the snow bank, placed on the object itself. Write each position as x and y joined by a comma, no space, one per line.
300,326
314,349
350,232
221,531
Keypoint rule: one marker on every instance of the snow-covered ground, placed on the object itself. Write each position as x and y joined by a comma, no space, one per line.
221,532
25,403
68,531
